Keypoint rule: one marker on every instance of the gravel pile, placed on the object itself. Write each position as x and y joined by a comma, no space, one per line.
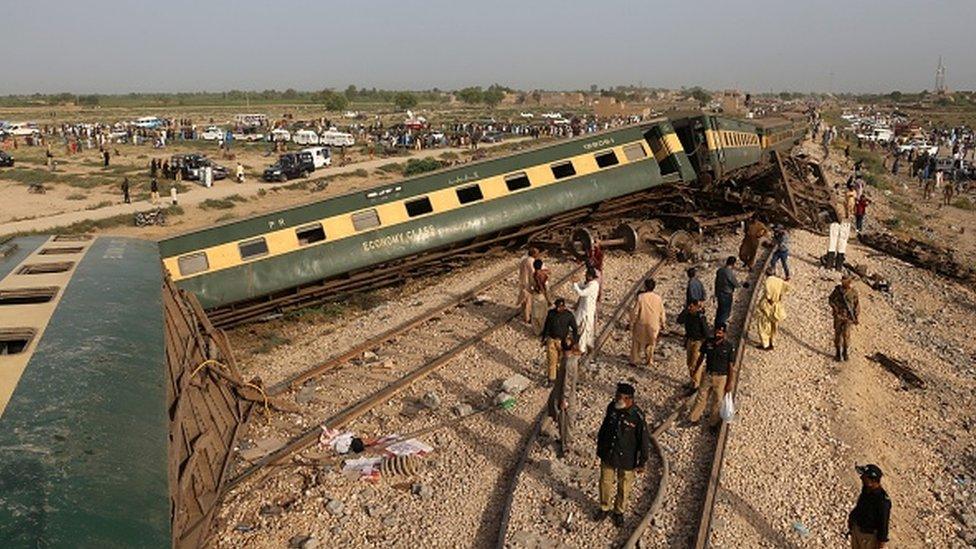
804,420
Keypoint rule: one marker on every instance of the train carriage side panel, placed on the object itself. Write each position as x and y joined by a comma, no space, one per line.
604,166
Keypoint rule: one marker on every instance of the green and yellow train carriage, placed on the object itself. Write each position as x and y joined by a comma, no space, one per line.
779,134
266,254
717,146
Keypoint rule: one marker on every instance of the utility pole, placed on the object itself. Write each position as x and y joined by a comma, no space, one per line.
940,73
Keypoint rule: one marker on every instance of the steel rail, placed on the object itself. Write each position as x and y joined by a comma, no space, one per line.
351,413
605,331
375,341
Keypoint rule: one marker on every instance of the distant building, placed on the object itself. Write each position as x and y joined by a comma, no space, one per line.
608,107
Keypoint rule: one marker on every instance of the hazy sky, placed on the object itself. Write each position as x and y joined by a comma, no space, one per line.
113,46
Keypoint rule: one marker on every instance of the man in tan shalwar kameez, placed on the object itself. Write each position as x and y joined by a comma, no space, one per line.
755,231
646,321
526,271
770,310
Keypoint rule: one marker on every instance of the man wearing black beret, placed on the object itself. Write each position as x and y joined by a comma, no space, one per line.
622,446
867,523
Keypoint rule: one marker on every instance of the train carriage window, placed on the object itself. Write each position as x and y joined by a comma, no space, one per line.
310,234
45,268
193,263
27,296
634,152
14,341
253,248
606,159
420,206
563,169
517,181
365,220
61,251
471,193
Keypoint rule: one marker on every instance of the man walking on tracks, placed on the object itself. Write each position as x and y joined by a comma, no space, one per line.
585,312
559,323
781,251
846,310
867,523
646,320
725,285
526,269
562,398
696,332
622,445
770,310
718,354
755,231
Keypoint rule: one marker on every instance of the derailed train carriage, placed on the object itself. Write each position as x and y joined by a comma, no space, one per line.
119,401
245,268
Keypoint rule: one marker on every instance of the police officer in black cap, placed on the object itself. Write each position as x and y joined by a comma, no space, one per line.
622,445
867,524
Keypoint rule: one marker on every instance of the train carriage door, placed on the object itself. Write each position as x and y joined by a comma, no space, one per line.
691,134
715,145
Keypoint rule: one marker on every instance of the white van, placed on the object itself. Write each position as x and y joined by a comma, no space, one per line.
334,138
212,133
280,134
305,137
321,156
22,129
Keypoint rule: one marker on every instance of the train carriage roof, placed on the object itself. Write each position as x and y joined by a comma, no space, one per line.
771,124
360,199
83,425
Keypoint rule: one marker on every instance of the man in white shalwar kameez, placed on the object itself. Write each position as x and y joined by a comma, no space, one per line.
585,312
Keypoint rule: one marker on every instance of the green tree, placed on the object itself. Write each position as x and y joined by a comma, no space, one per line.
404,101
471,95
332,101
351,92
493,96
700,95
895,95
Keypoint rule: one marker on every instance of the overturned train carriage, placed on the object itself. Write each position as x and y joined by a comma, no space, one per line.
305,247
115,424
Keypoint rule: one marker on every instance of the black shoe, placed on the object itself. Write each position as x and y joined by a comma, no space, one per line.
837,357
618,519
845,354
601,515
770,348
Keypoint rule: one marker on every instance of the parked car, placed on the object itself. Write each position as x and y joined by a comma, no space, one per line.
333,138
190,166
22,129
149,122
321,156
919,146
213,133
6,160
492,137
290,166
280,134
305,137
248,136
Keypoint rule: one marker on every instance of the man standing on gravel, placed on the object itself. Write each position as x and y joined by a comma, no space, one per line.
695,290
755,231
622,445
526,270
696,332
646,320
718,354
867,523
725,285
585,312
770,310
846,309
559,323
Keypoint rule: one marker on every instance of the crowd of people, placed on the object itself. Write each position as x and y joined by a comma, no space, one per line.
622,443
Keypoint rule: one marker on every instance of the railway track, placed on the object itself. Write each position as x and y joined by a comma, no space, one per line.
709,464
377,398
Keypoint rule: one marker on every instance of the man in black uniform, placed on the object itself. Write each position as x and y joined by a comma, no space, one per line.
559,323
622,446
718,354
867,524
